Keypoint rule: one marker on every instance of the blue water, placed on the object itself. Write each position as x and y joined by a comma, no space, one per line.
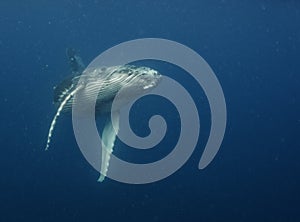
253,47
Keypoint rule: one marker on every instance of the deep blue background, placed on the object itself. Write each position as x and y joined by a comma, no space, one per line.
253,47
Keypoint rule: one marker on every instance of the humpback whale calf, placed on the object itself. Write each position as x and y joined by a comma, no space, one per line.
106,82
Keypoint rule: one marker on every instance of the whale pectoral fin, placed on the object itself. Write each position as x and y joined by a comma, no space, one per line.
69,94
108,139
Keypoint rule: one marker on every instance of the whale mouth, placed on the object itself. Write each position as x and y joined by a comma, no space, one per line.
149,86
150,83
151,79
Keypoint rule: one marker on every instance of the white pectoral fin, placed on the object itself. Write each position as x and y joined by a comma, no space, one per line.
108,139
70,93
